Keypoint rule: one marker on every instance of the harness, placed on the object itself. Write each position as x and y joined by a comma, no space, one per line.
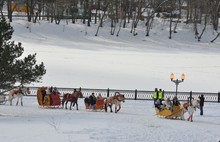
185,105
15,93
119,98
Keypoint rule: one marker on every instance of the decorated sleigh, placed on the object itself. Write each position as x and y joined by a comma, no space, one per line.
49,100
174,113
99,105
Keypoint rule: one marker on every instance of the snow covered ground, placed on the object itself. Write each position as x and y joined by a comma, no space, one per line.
135,122
74,57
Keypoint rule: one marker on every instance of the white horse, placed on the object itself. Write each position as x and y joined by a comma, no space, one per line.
18,93
114,100
190,108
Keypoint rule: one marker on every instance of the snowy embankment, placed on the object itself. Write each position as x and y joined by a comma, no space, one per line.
74,57
136,121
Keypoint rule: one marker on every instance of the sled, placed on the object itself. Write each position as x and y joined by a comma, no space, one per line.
50,100
99,105
175,113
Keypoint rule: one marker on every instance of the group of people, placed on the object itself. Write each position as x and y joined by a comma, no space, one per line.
201,102
160,102
48,90
52,90
91,100
158,96
167,103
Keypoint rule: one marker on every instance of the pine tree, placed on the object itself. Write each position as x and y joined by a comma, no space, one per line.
13,69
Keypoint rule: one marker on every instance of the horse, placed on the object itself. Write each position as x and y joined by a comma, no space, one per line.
72,98
190,108
18,93
114,100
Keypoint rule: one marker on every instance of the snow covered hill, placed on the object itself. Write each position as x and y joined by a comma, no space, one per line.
74,57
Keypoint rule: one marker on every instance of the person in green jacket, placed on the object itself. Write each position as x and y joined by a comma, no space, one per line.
155,96
161,95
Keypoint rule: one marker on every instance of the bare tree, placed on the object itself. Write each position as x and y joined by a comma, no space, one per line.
214,11
136,17
156,5
205,7
180,4
1,6
112,15
218,34
10,10
105,7
122,15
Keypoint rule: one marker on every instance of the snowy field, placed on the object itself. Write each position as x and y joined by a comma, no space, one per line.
135,122
74,57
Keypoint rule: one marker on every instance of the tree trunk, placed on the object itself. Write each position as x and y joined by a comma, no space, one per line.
170,26
101,20
204,28
10,10
215,37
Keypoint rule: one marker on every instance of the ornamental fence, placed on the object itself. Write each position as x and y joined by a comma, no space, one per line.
136,94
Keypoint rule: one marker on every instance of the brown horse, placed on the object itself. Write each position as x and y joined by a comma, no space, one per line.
114,100
72,98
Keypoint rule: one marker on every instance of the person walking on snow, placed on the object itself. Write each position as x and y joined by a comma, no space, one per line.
202,99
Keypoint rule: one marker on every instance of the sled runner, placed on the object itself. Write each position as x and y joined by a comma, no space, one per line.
174,113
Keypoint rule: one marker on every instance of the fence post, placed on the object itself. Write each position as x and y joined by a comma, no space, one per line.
135,94
219,97
108,92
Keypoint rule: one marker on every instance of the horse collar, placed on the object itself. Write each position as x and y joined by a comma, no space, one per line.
117,97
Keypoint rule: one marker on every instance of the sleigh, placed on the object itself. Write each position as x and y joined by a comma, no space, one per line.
174,113
99,105
2,99
50,100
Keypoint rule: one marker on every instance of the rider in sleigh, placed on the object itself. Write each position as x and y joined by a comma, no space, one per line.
158,104
176,101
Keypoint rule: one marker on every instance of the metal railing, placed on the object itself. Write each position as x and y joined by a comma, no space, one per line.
136,94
